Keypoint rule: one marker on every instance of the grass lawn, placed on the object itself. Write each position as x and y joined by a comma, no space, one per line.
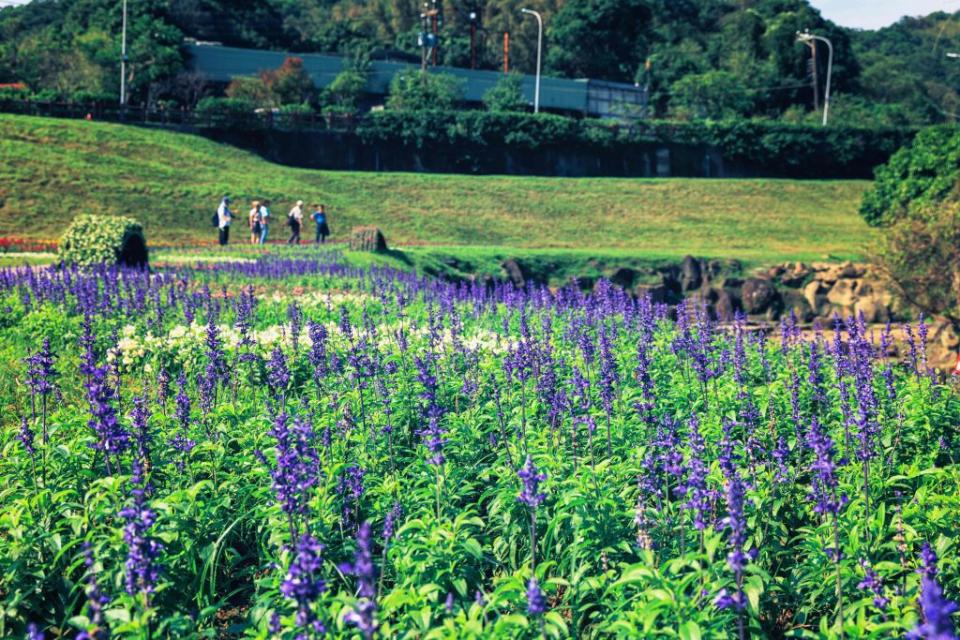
54,169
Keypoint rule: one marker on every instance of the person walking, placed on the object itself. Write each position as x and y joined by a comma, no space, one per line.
264,221
295,221
224,218
254,222
319,216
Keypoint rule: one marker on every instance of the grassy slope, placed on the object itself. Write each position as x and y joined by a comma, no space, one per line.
54,169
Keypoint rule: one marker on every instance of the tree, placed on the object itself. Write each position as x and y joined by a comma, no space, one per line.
416,90
506,94
920,254
922,174
714,94
599,38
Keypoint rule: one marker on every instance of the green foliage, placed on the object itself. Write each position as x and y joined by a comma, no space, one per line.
287,84
91,239
617,550
920,252
714,94
921,174
232,112
506,94
417,90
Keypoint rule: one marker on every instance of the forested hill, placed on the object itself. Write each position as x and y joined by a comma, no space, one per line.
739,57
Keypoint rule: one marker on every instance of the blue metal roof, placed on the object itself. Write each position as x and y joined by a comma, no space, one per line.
222,64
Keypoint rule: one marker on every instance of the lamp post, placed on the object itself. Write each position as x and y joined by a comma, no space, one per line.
536,90
807,37
123,58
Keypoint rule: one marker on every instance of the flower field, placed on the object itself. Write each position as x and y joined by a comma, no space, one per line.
288,447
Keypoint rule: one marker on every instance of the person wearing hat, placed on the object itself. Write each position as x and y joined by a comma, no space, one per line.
295,220
224,218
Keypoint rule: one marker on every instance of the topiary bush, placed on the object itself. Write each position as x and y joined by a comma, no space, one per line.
97,239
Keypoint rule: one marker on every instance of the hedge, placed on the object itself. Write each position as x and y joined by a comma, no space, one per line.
103,239
773,148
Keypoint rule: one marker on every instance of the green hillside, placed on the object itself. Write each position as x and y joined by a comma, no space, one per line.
55,169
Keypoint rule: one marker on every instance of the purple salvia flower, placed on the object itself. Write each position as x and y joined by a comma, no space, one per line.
25,436
937,610
536,602
363,613
304,583
278,374
530,479
141,567
34,632
96,600
874,584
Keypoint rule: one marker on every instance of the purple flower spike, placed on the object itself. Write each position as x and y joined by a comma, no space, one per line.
529,494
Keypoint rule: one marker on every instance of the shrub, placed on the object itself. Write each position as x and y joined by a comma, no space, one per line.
225,111
416,90
506,95
103,239
923,173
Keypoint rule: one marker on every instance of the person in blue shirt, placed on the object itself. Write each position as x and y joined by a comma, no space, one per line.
319,216
264,221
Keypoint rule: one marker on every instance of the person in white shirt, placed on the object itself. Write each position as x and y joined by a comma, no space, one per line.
224,218
254,222
295,220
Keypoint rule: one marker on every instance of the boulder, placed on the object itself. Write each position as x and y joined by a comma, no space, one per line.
659,293
794,301
368,238
795,274
850,270
844,293
726,305
813,293
872,308
947,335
691,273
514,272
758,295
623,277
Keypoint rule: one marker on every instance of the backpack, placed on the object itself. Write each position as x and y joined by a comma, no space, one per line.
216,220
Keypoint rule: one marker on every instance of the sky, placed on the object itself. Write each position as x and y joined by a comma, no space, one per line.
873,14
863,14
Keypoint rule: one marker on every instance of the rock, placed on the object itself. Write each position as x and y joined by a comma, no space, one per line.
670,278
758,295
795,274
726,305
812,293
850,270
794,301
947,335
623,277
368,239
872,308
715,269
514,272
844,293
691,275
659,293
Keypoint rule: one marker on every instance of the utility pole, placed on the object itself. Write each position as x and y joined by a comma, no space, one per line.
814,80
808,37
536,90
506,52
123,58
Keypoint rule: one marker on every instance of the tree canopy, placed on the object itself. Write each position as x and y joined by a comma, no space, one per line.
899,75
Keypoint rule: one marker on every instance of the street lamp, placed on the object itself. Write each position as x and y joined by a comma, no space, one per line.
807,37
123,59
536,90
